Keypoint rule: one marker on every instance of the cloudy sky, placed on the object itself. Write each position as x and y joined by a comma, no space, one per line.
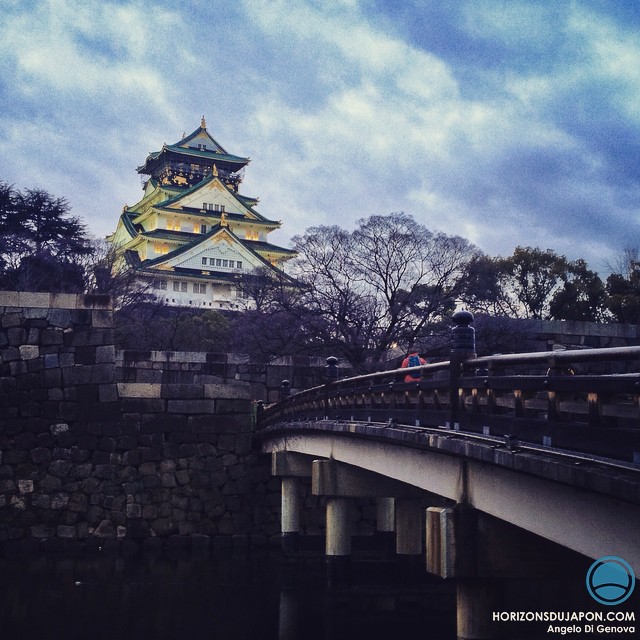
509,123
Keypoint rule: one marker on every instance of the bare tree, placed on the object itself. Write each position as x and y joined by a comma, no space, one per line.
379,286
105,273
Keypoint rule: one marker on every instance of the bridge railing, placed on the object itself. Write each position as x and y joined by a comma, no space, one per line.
551,399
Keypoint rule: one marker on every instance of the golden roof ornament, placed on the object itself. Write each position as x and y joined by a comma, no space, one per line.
214,171
203,123
223,220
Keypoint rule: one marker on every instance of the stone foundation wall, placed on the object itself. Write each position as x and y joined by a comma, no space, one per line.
86,458
185,367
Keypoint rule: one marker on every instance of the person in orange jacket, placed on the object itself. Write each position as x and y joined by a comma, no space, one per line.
412,360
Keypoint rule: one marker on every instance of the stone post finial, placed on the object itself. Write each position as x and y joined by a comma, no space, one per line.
331,370
463,337
285,389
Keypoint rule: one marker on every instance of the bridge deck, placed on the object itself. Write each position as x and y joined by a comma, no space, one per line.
588,504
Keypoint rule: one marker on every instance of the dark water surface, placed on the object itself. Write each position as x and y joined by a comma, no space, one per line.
236,597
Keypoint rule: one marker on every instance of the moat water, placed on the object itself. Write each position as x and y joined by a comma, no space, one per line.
255,596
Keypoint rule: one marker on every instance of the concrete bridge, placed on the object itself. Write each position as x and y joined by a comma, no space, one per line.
481,465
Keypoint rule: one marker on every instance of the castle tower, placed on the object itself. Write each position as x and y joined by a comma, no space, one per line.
193,236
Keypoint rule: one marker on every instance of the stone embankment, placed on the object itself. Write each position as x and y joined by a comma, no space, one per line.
85,458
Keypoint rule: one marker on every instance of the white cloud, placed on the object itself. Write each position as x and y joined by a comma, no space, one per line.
343,115
613,56
88,49
512,22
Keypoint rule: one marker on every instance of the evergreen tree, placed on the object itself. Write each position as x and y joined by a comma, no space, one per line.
41,244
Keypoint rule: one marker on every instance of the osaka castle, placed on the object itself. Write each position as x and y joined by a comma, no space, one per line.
193,237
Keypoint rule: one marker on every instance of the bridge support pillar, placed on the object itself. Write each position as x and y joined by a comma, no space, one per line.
290,514
338,527
440,541
338,540
290,467
385,524
475,600
408,527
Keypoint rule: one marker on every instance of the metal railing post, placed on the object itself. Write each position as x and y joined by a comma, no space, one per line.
463,347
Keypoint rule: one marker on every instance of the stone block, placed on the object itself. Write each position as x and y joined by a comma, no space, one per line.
126,443
10,354
105,354
147,468
107,444
78,502
105,471
7,486
163,423
60,468
102,318
149,376
231,406
150,454
191,406
131,457
51,360
85,355
50,483
25,486
58,428
40,501
17,502
42,531
9,299
16,336
59,501
66,359
234,391
227,442
107,393
61,318
139,390
110,421
33,299
79,455
34,364
40,455
244,443
105,529
44,440
66,531
134,511
182,391
88,393
162,526
168,480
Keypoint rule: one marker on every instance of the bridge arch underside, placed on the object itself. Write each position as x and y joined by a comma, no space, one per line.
591,523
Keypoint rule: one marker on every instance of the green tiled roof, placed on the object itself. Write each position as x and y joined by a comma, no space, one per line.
200,237
195,153
259,245
167,234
